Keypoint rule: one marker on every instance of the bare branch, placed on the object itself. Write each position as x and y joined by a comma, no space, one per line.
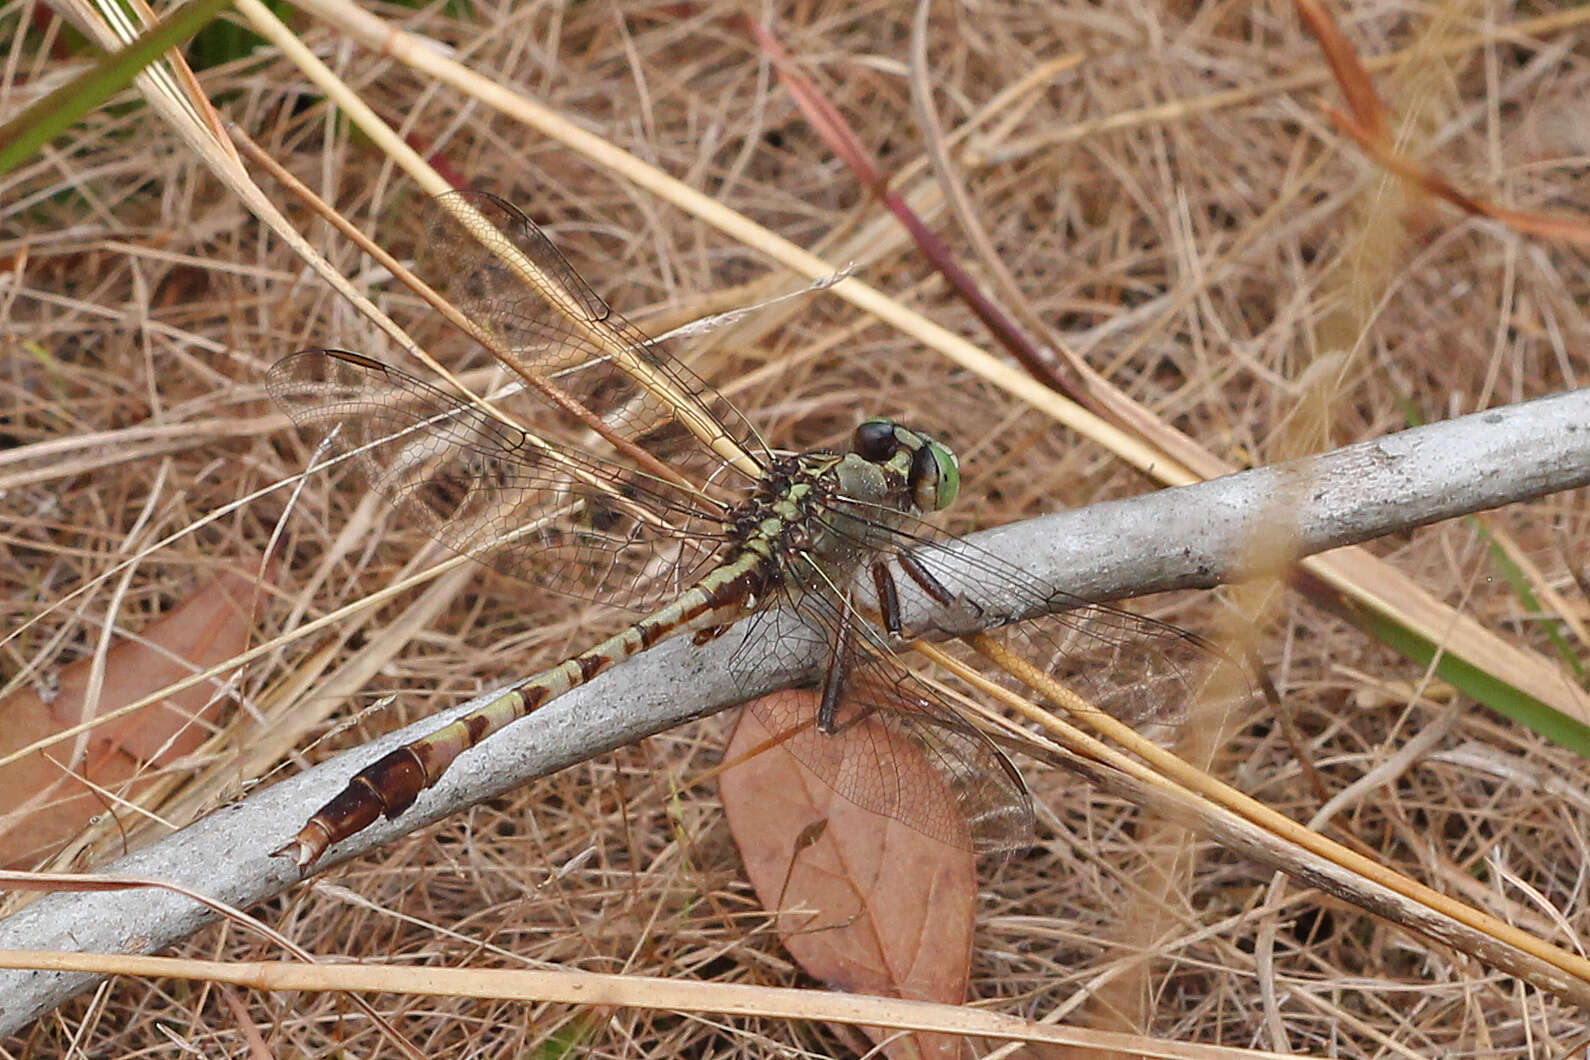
1198,535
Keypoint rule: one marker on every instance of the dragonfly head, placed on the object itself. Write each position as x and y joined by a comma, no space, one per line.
930,468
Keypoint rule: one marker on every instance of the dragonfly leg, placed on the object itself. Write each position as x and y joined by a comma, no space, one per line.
923,577
969,611
836,673
888,596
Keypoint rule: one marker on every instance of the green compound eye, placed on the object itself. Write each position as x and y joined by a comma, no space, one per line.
935,476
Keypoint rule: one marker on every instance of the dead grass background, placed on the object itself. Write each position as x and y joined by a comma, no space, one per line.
1240,269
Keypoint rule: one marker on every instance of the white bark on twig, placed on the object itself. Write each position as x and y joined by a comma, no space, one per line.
1195,536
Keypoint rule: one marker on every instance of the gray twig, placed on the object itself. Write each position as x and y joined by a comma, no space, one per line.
1195,536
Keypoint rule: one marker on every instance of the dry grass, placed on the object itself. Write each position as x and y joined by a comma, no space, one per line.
1240,270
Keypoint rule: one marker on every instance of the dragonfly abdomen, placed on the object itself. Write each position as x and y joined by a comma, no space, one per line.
390,784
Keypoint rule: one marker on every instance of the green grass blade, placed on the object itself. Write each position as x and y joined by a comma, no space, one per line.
55,113
1480,685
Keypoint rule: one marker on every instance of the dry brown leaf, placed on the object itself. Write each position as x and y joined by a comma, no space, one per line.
866,904
46,797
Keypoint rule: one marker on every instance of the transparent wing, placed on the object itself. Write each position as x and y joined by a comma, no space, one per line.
880,705
549,514
587,350
1136,668
991,811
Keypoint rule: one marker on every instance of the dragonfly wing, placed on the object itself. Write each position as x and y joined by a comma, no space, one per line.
548,514
549,321
977,799
1139,669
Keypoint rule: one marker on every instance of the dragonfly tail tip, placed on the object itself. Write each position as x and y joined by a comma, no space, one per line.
301,850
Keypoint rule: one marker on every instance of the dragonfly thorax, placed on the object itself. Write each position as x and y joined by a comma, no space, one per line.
829,510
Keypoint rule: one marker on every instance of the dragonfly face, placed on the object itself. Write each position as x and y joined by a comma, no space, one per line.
932,472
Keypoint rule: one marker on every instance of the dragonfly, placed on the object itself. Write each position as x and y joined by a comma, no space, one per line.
637,484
